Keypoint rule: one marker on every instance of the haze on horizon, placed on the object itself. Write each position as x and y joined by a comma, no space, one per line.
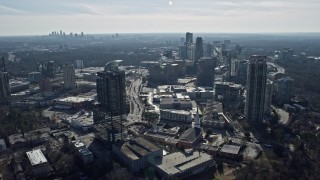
37,17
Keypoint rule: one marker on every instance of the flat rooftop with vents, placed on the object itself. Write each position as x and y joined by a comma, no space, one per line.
36,157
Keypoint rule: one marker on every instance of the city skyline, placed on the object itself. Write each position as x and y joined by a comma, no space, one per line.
41,17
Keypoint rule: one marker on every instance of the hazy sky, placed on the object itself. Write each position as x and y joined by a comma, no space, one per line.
32,17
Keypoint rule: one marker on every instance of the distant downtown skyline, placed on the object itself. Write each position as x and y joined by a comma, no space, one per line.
37,17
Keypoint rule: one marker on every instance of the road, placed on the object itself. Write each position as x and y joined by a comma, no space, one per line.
280,70
136,106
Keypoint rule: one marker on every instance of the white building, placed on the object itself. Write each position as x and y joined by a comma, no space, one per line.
39,163
69,76
176,115
82,120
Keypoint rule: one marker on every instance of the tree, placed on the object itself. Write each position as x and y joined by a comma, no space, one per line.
150,116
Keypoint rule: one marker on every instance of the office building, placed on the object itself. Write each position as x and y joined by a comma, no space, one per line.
183,52
175,115
45,84
283,90
268,97
2,65
241,72
79,64
111,94
34,77
111,89
69,76
189,38
228,93
183,103
199,49
205,72
48,69
207,50
4,84
180,165
256,89
4,88
137,154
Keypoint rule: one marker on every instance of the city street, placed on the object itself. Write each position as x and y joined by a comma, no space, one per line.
136,106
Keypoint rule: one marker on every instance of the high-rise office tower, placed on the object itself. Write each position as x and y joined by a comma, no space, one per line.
205,72
242,71
4,87
268,97
199,49
2,65
69,76
256,89
78,64
48,69
45,84
207,50
111,94
183,52
111,89
4,84
189,38
283,90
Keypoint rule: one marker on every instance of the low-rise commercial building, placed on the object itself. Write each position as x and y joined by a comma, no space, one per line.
181,165
39,163
73,102
230,152
176,115
82,120
175,103
17,141
137,153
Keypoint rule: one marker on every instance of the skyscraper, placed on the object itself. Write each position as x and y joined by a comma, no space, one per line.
4,84
69,76
283,90
199,49
256,88
111,89
189,38
48,69
111,94
205,72
242,71
268,97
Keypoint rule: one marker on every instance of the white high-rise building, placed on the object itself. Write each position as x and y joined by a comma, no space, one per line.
69,76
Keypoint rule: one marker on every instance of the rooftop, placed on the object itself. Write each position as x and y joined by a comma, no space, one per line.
15,138
137,148
36,157
74,99
177,111
190,135
178,162
230,149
